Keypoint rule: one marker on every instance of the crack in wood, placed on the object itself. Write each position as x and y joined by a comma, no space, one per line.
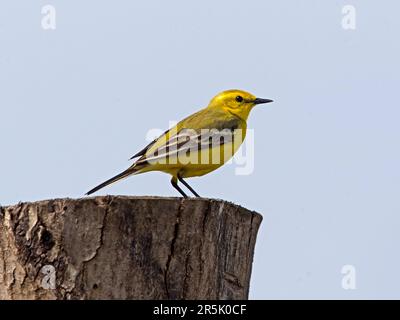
172,247
185,283
233,279
103,225
83,268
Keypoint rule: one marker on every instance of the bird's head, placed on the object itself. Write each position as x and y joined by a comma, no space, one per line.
237,102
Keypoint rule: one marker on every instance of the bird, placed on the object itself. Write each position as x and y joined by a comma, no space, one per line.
198,144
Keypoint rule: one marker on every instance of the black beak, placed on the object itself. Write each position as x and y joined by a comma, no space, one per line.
260,101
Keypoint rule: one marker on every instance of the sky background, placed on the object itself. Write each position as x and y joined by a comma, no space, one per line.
78,101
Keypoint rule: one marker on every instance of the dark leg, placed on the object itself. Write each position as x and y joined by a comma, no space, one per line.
174,183
187,186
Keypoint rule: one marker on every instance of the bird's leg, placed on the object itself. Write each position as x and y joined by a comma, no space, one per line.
174,183
187,186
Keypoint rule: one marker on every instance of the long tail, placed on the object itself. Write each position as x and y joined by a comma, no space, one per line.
120,176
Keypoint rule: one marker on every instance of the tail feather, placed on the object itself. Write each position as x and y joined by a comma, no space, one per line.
120,176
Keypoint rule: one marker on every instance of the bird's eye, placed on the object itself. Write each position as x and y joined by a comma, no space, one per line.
239,98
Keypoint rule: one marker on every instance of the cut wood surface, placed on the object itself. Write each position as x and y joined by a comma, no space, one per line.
117,247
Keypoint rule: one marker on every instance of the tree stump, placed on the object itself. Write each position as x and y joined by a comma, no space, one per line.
115,247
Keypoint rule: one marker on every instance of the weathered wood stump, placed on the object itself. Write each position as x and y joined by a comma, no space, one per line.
126,248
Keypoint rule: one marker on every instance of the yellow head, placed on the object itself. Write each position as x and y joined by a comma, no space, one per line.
236,102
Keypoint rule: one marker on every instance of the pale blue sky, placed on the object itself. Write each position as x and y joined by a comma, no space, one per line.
78,101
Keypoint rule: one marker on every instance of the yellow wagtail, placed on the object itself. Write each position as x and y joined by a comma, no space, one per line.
199,143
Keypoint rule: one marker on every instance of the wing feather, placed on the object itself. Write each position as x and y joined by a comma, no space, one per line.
187,141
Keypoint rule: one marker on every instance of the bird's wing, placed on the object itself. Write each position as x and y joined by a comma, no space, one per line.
144,150
200,131
185,142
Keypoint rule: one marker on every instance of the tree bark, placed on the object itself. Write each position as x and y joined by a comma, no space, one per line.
116,247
